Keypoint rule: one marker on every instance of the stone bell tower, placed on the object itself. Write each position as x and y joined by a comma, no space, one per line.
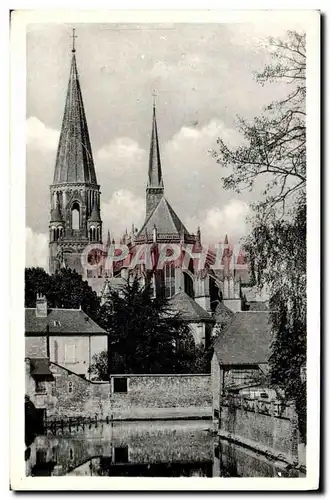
75,219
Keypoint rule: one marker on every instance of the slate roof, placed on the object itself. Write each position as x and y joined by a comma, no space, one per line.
61,322
74,160
222,313
246,340
165,220
40,368
189,308
257,306
98,284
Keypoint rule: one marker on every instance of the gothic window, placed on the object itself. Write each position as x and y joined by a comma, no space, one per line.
169,280
188,285
75,215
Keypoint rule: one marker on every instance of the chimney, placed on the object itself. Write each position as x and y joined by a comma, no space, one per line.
41,306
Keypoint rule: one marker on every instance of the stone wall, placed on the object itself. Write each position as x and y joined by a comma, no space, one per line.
76,396
146,396
36,347
267,425
157,396
216,388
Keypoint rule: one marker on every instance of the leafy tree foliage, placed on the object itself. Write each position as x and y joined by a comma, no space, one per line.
65,288
274,147
145,335
274,143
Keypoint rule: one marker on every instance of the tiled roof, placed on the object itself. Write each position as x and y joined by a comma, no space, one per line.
40,367
165,220
246,340
189,308
61,321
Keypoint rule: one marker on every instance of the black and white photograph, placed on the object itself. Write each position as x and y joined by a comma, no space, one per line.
165,280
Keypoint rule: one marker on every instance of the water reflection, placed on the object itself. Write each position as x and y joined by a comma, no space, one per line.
147,449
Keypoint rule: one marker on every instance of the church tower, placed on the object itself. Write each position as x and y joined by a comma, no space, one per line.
75,219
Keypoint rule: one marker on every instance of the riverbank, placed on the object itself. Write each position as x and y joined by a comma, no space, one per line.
279,458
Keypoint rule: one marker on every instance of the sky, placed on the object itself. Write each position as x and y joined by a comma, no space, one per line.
202,75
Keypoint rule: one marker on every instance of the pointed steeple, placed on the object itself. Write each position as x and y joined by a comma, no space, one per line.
74,161
108,239
155,185
75,194
155,179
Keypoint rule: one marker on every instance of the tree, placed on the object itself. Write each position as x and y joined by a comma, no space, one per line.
65,288
274,146
99,367
36,281
145,335
274,143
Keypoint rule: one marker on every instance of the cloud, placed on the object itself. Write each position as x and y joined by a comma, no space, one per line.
216,222
36,245
122,151
39,136
121,163
123,209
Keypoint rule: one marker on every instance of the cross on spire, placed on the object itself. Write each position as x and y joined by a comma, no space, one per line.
73,40
154,95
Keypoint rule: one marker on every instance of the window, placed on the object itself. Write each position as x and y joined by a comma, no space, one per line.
121,455
70,353
75,214
70,387
41,386
120,384
56,351
169,280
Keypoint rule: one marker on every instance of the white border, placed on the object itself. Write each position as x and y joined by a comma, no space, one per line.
17,141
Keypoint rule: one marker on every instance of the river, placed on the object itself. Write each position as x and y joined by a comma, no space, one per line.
145,448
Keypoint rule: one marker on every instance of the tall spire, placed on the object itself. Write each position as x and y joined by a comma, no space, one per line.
155,185
155,179
74,161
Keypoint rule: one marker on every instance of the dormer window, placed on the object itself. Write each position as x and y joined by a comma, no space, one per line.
57,323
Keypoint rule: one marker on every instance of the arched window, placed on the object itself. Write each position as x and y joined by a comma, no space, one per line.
75,216
188,285
169,280
90,234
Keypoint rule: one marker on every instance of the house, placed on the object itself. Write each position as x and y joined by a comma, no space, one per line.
68,337
241,354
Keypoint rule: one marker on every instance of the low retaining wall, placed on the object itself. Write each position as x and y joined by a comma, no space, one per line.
270,426
127,397
162,396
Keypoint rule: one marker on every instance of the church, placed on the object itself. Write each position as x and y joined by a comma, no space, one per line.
204,296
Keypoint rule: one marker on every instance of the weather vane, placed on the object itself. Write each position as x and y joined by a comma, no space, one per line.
73,40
